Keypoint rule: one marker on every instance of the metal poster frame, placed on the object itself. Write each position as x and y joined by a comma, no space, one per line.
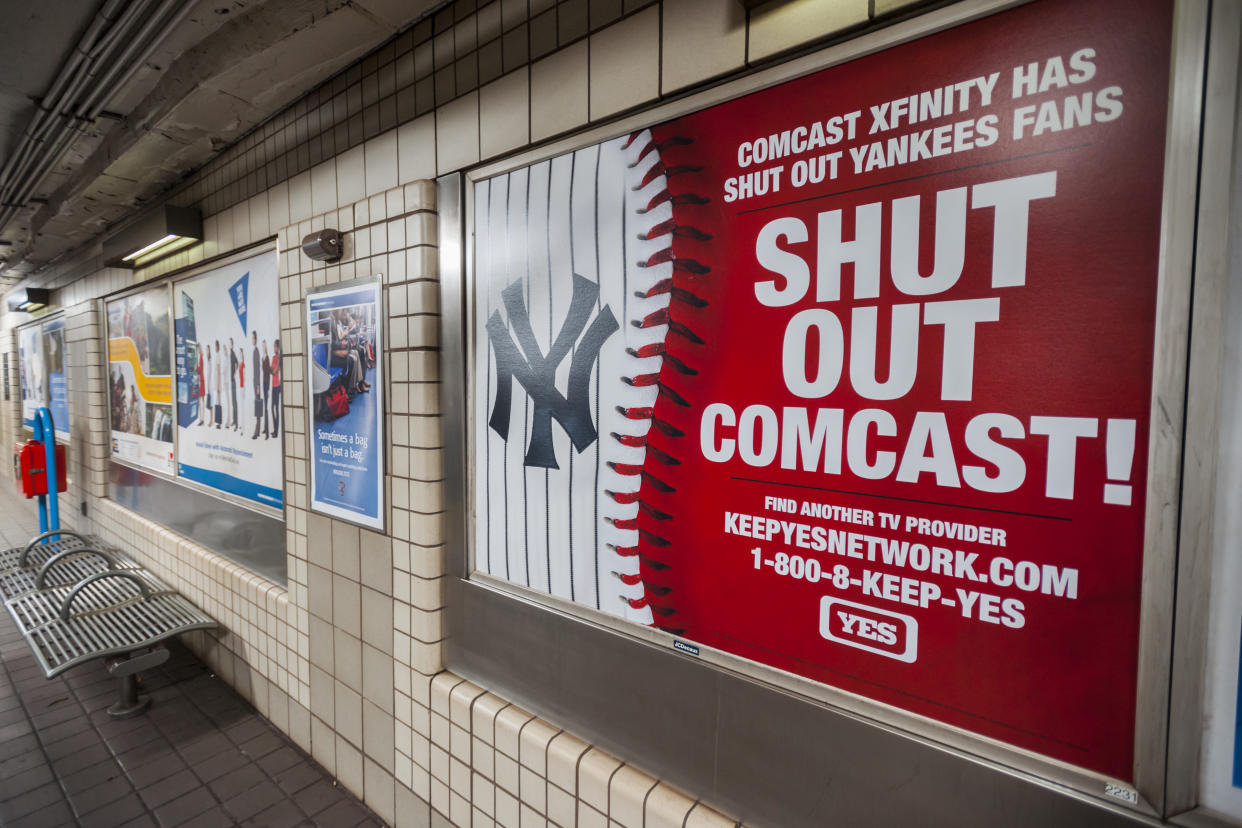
381,334
249,252
59,314
169,281
1216,212
153,284
36,322
480,603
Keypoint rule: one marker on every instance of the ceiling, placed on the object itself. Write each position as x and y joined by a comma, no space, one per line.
199,76
28,64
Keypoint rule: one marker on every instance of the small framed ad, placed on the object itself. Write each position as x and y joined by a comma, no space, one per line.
344,371
57,377
140,379
34,386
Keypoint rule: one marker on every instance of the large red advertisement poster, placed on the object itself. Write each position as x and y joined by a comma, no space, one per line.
851,376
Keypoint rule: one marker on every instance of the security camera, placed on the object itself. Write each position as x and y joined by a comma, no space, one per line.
323,246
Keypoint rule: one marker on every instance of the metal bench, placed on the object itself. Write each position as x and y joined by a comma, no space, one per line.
74,602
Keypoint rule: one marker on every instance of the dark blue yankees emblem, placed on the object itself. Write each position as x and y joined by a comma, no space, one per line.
537,371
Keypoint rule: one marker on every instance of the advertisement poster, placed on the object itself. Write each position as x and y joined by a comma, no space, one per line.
57,377
344,368
33,373
140,379
227,324
851,376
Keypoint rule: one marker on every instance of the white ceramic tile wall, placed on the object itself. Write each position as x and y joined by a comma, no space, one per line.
778,27
701,40
625,64
559,91
347,658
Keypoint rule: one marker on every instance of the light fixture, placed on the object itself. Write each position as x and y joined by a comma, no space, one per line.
28,300
156,235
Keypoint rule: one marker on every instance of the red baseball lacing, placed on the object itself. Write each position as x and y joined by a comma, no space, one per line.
648,413
650,563
631,470
666,255
659,349
674,293
640,441
672,227
678,295
664,195
652,146
664,317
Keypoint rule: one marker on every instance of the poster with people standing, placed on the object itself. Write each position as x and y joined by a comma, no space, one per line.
140,379
344,359
229,379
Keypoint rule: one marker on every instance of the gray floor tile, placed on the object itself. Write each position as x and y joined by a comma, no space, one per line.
213,767
319,797
344,814
50,816
284,814
94,798
32,800
237,781
213,818
300,776
259,798
21,762
166,790
91,776
279,760
74,744
187,807
264,743
116,812
80,760
148,774
27,780
19,746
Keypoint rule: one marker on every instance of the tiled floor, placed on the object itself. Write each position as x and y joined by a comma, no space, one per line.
201,756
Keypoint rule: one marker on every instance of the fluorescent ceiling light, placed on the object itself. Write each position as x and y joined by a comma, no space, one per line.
152,246
167,246
157,234
26,300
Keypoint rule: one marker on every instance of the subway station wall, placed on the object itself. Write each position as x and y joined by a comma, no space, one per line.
348,657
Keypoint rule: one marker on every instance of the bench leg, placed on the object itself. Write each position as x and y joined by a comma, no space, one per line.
130,703
126,669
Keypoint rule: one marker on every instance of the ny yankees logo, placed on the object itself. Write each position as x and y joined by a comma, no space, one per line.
537,371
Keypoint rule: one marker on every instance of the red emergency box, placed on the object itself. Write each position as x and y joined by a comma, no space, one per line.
30,468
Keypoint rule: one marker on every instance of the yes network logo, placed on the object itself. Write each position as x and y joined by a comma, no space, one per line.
875,630
536,371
